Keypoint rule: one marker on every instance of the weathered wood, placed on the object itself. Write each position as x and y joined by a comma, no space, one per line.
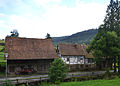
45,78
38,66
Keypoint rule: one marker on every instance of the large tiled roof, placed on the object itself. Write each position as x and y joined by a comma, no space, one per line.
29,48
74,50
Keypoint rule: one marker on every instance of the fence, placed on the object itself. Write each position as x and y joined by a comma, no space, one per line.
25,80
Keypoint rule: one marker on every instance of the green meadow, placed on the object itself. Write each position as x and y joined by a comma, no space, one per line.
2,61
114,82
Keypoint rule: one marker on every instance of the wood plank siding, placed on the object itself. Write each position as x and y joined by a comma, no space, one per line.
29,52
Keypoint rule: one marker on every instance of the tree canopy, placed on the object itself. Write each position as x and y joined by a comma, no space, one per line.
48,36
112,18
14,33
106,43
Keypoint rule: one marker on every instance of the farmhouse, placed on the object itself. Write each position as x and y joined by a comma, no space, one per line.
75,56
29,54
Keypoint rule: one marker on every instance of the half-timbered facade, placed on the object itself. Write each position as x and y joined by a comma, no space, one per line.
75,55
29,54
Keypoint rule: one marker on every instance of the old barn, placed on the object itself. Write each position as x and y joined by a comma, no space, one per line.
29,54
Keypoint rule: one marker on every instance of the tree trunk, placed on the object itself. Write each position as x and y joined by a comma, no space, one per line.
99,66
114,64
106,63
119,64
111,63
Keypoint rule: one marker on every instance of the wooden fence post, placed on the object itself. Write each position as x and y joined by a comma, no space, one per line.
17,81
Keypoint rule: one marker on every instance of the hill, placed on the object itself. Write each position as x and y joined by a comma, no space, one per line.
80,37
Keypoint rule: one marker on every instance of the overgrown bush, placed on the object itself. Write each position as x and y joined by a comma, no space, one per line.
107,74
57,71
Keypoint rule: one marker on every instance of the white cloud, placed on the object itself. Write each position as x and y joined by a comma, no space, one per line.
44,3
63,20
57,20
2,15
3,23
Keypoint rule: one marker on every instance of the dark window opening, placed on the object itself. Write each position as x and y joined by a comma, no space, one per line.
68,59
90,61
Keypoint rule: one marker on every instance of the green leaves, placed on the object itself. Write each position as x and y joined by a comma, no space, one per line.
112,19
14,33
58,70
105,45
107,41
48,36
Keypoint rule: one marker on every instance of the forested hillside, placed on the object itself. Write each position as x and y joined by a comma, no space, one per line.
80,37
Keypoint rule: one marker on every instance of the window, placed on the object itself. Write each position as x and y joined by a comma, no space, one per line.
68,59
81,58
78,59
90,61
86,60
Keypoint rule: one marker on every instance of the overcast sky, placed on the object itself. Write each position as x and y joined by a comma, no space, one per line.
36,18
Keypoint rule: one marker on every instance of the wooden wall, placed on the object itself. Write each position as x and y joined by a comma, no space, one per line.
38,66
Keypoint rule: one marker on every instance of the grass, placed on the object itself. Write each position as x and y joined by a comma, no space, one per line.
114,82
1,54
2,41
2,61
1,47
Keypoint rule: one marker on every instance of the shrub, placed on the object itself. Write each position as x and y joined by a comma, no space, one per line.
57,71
107,74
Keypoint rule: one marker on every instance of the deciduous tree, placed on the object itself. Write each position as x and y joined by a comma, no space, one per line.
48,36
106,45
14,33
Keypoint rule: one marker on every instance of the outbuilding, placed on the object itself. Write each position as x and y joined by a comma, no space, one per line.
76,56
29,54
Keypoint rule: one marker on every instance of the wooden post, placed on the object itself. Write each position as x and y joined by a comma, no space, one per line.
114,64
17,81
40,78
69,63
27,83
119,64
